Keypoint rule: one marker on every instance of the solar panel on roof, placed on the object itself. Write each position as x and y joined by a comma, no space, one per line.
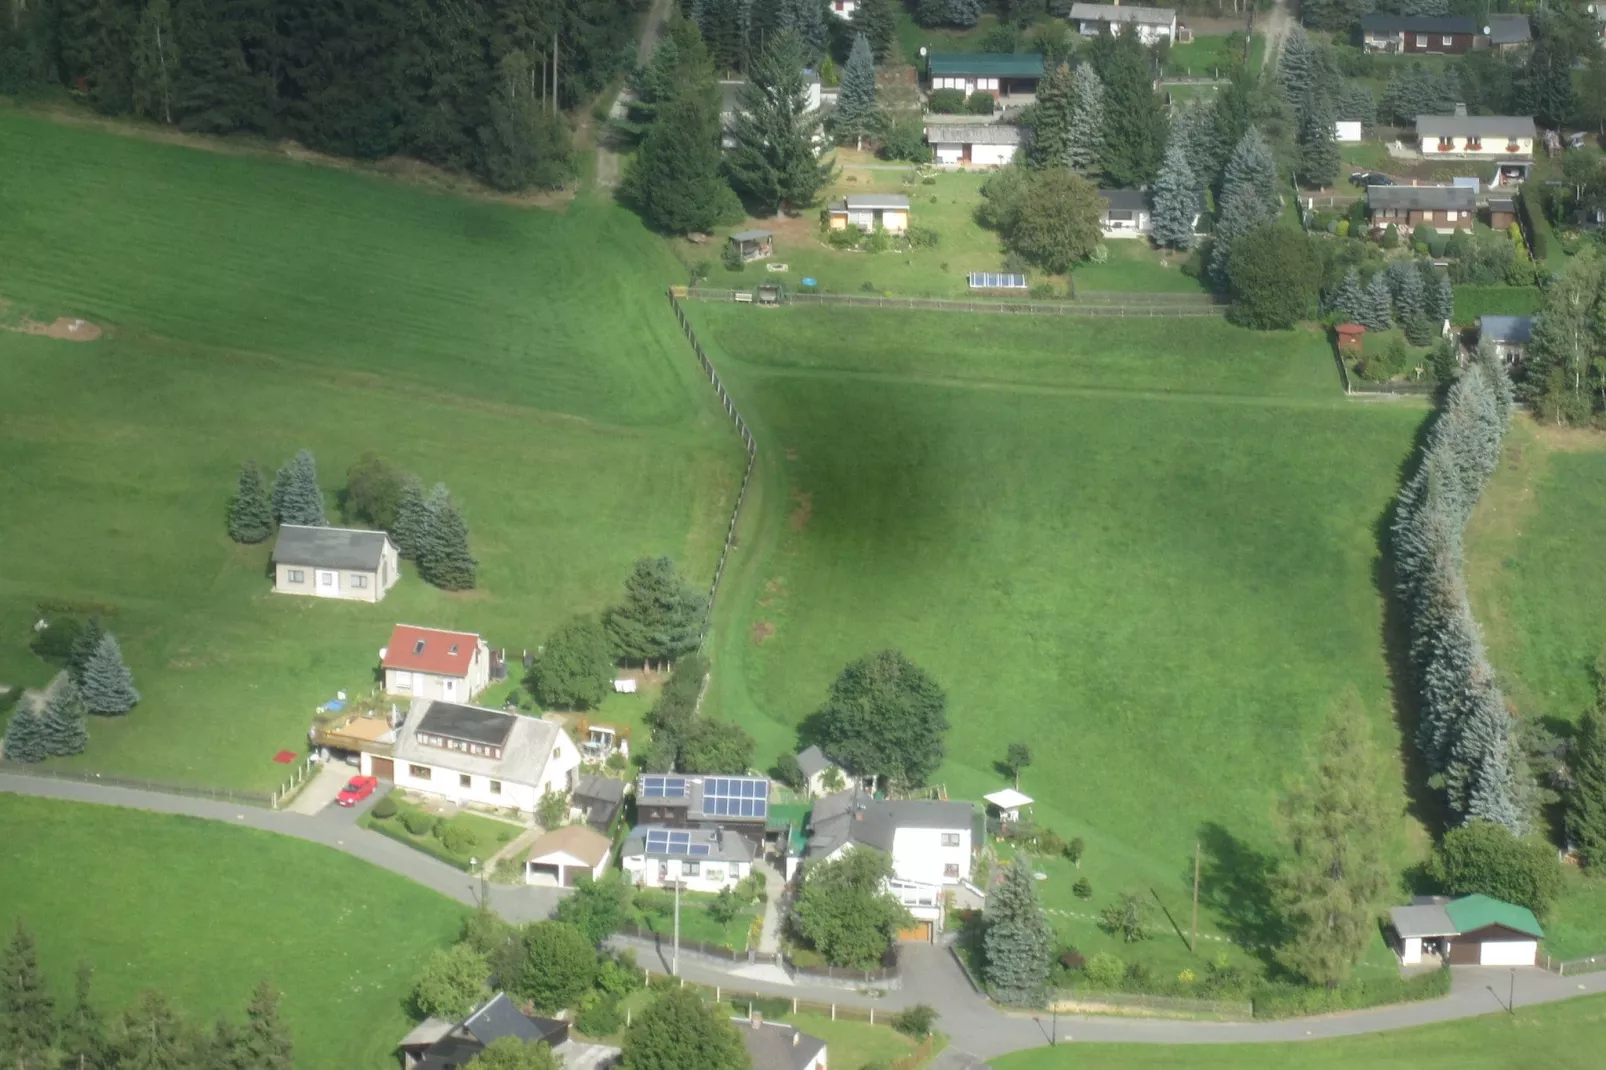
700,849
736,796
663,787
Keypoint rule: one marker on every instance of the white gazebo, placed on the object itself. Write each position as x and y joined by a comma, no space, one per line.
1008,803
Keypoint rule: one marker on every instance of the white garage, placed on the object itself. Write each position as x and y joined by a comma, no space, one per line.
561,857
1474,930
974,144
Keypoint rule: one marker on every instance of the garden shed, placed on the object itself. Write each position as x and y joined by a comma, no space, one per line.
753,244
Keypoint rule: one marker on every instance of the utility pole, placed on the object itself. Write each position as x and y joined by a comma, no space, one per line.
1193,944
674,965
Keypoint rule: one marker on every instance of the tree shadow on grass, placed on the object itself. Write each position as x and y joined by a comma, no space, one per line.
1238,883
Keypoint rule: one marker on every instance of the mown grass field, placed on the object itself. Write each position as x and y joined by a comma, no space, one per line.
254,306
1565,1036
1146,548
203,912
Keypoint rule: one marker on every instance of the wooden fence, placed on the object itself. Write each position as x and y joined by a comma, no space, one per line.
249,798
1072,1001
1572,967
748,442
837,1012
1089,304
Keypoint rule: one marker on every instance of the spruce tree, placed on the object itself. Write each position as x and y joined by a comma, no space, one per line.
1134,121
250,513
296,497
108,686
65,732
855,102
264,1042
875,19
1084,141
677,177
1405,282
1193,128
1051,130
25,739
412,519
806,18
661,616
27,1011
1318,149
1019,944
774,163
444,559
964,12
1294,64
82,1040
1586,802
1176,201
1349,298
1252,165
1378,314
83,648
1242,211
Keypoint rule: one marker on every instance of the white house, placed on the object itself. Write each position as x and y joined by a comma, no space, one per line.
561,857
974,144
817,770
1347,131
348,563
1508,140
929,843
701,859
1151,24
429,663
1474,930
1129,214
730,93
844,9
475,756
1509,335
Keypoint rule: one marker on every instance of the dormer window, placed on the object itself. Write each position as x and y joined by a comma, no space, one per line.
418,647
453,650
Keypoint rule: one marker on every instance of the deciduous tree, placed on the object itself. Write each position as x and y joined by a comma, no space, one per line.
844,912
679,1030
374,489
556,965
1058,225
511,1053
250,512
574,666
1275,274
451,984
597,907
1484,858
884,716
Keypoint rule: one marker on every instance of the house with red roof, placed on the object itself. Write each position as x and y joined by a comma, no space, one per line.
431,663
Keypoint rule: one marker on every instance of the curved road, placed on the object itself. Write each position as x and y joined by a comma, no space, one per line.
978,1029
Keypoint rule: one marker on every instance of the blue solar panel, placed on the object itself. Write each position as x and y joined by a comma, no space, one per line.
663,787
736,796
666,842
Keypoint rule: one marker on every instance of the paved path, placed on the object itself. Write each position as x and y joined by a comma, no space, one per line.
930,973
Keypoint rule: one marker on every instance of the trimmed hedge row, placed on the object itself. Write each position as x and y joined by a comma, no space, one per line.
1295,1001
1538,236
427,844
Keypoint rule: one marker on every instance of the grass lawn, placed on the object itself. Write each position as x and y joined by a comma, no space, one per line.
1147,548
1212,56
203,912
254,306
1564,1036
656,913
489,834
1474,301
854,1045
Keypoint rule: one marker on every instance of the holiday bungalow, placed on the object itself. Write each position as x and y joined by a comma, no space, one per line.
1128,213
1474,930
348,563
1509,335
753,244
974,144
1444,208
1502,212
1151,24
1506,139
1005,75
1508,33
1419,34
870,211
430,663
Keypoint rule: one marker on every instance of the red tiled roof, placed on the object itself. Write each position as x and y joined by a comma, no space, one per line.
441,653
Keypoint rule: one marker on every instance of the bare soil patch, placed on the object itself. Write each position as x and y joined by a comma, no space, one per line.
64,328
802,510
762,630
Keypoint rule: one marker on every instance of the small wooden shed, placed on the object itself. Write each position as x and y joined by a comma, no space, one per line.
754,244
1349,337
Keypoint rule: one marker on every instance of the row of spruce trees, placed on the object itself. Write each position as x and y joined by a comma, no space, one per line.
96,681
427,527
150,1034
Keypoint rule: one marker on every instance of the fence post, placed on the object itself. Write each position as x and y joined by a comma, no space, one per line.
833,1012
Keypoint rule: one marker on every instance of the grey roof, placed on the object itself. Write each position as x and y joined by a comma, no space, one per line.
1475,126
812,761
974,134
1423,198
600,788
848,817
1509,29
497,1018
530,741
1380,22
752,235
329,547
1513,329
778,1047
1422,920
857,201
1122,13
1502,204
722,846
1125,199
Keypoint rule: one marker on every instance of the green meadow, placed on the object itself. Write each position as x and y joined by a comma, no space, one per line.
253,306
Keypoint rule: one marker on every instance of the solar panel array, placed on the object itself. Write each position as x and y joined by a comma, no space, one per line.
667,842
987,280
735,796
663,787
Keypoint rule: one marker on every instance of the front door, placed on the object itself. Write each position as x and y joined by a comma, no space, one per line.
449,688
964,154
877,217
328,583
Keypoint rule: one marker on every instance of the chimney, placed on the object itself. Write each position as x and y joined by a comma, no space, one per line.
1460,110
755,1017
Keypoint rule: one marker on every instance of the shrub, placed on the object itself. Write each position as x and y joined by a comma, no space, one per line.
1423,235
1072,959
1104,970
385,808
732,258
1391,237
923,237
459,839
1049,844
1525,212
1075,849
438,828
1290,1001
417,822
946,101
1480,857
880,241
1083,888
916,1021
905,139
601,1019
1100,254
846,238
1043,291
1342,229
979,104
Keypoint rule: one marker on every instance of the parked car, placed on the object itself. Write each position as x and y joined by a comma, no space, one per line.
357,790
1370,178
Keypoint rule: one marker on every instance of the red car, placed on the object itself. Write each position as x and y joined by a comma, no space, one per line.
355,792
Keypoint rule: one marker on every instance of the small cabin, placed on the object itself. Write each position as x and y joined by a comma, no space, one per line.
753,244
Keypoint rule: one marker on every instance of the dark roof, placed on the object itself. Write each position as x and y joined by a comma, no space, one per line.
1125,199
812,761
1423,198
470,723
600,788
778,1047
496,1019
1508,29
1379,22
1510,329
752,235
848,816
1152,16
1502,204
329,547
991,64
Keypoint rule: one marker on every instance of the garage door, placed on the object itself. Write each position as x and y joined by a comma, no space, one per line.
544,874
921,930
1465,952
385,768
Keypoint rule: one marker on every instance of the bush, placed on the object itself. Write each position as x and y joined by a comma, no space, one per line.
923,237
846,238
979,104
601,1019
1423,235
438,828
1072,959
905,139
732,258
1342,229
459,839
1391,237
774,1008
1525,212
1480,857
418,822
946,101
1083,888
1042,291
916,1021
1100,254
1104,970
385,808
1049,844
1290,1001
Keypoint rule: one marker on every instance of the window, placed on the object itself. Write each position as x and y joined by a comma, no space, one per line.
496,787
464,780
1446,144
1451,216
359,580
1119,215
403,681
689,869
418,772
950,839
556,751
714,873
297,576
1474,144
951,869
1421,40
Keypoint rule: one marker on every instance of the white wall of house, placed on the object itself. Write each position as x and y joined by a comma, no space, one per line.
426,685
1347,130
698,875
931,856
924,901
1410,950
1493,147
1148,32
843,9
948,152
1135,226
355,585
465,788
966,83
1509,952
567,865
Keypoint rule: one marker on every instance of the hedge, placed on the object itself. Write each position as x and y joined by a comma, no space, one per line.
1538,236
1294,1001
428,846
